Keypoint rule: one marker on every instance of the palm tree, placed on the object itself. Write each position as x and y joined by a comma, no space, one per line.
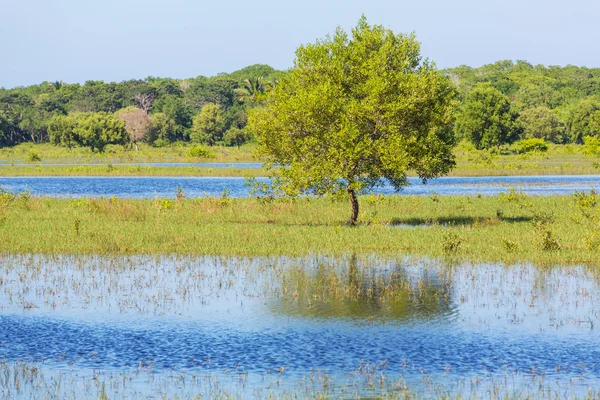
56,85
252,89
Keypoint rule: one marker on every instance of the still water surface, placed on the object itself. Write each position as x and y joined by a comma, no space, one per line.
148,187
259,326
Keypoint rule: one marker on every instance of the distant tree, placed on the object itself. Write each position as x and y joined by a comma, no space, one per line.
210,90
253,90
34,123
533,95
486,118
209,125
162,129
235,137
14,106
137,123
176,110
581,120
96,130
97,96
541,122
61,130
144,101
355,110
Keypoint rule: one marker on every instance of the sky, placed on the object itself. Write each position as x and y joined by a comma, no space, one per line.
115,40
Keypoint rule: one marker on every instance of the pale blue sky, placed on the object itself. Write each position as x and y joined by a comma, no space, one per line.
114,40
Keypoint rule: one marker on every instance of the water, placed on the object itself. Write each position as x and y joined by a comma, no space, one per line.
148,187
141,326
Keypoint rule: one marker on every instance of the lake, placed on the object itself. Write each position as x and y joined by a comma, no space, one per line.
148,187
140,327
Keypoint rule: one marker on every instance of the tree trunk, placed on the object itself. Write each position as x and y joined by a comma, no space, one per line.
354,204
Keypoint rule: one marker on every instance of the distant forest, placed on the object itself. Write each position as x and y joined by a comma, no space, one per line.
498,104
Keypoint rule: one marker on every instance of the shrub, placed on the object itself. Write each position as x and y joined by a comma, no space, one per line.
32,156
161,143
591,145
531,145
200,152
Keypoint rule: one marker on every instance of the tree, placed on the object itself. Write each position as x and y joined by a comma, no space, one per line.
253,90
486,118
208,125
356,109
177,111
541,122
137,123
581,120
161,129
235,137
61,130
96,130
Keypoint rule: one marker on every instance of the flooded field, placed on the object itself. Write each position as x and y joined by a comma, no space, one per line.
140,327
148,187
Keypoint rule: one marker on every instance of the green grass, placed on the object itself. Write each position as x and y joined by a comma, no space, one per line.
122,154
512,228
559,160
124,170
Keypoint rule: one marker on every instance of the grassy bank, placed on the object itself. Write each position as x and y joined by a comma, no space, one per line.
48,153
124,170
509,228
559,160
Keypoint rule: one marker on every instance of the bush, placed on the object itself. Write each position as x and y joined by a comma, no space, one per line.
531,145
200,152
591,145
32,156
161,143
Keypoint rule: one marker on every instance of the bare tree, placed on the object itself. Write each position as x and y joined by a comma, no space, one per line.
144,101
137,124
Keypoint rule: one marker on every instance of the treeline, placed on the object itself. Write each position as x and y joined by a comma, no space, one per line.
155,110
499,104
509,101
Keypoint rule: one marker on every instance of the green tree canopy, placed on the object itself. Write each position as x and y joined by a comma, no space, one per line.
61,130
486,118
541,122
96,130
209,125
356,109
162,129
581,119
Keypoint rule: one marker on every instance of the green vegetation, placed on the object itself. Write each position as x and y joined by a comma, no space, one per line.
510,228
500,103
155,110
340,124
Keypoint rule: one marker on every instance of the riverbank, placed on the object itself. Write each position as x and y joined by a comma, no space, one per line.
510,228
120,161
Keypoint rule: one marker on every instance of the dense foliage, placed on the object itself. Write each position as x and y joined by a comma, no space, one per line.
556,104
155,110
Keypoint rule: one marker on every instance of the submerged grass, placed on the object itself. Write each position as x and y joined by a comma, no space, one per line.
509,228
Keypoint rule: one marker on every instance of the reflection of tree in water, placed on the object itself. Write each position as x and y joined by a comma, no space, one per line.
355,292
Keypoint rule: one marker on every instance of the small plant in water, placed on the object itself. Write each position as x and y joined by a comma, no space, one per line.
545,237
225,199
32,156
451,243
180,193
